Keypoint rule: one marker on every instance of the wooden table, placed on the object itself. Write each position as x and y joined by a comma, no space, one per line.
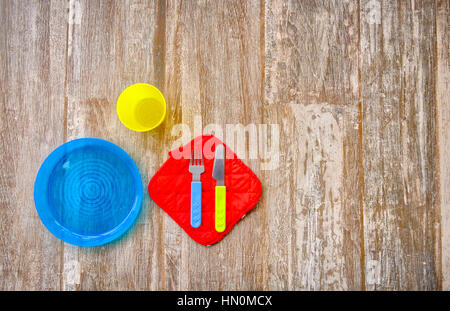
358,89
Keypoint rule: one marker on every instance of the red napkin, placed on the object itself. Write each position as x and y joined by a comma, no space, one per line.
170,189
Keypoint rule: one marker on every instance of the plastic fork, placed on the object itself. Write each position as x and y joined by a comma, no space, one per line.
196,168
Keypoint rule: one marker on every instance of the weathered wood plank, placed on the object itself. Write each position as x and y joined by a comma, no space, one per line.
108,51
443,106
220,84
32,57
401,212
312,92
170,30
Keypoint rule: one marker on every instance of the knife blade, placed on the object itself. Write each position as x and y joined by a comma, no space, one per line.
219,166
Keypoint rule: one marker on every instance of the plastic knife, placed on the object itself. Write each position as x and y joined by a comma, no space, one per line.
220,191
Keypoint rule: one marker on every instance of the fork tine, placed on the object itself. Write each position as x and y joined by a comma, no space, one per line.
199,157
196,157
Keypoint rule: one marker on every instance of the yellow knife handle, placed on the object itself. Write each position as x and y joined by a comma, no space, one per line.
220,221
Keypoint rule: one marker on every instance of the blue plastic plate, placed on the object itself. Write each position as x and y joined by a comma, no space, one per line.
88,192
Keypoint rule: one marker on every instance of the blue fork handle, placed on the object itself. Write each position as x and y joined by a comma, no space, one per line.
196,204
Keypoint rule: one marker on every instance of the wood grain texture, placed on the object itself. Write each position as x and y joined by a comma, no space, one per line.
32,63
100,65
401,211
443,106
358,90
221,83
313,199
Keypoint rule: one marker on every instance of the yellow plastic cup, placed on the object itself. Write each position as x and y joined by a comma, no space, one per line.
141,107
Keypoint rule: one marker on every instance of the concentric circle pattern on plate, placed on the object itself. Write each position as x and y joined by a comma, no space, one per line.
91,191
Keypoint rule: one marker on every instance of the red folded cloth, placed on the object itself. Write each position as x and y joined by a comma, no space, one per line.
170,189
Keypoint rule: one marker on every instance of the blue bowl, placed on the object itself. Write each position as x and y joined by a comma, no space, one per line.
88,192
